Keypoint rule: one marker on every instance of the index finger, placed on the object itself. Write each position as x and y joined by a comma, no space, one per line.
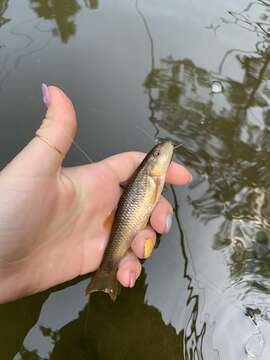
124,165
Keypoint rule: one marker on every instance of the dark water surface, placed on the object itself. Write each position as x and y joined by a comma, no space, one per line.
191,71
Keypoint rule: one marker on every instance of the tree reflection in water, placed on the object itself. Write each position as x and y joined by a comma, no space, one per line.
162,107
226,142
62,12
127,328
3,8
92,4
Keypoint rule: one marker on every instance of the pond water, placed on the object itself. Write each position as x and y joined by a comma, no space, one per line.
197,73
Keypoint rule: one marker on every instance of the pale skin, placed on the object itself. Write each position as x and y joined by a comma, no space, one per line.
55,221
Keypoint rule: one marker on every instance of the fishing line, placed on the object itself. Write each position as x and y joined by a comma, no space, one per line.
77,146
177,146
147,134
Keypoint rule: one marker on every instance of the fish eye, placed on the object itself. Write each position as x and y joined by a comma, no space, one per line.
156,153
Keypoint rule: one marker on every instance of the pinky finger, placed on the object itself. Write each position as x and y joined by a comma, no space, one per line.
129,270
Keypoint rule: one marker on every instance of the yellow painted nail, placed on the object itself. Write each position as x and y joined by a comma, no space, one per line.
148,248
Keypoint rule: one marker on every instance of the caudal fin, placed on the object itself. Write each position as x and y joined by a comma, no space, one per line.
105,282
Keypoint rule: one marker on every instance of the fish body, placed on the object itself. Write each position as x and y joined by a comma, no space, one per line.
134,209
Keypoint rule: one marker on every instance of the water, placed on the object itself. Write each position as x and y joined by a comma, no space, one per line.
255,346
204,294
216,87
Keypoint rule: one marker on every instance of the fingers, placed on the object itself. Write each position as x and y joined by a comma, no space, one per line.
124,165
129,267
178,174
144,242
129,270
44,154
161,217
59,125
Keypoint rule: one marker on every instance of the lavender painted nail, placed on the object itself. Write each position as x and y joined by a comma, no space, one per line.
168,224
45,94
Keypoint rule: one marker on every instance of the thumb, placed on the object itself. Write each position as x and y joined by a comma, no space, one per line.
45,153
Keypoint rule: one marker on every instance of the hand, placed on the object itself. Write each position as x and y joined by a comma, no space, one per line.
55,221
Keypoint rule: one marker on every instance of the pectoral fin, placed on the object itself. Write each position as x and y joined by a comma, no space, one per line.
156,189
107,224
124,184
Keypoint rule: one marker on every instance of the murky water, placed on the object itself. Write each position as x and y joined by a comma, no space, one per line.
194,72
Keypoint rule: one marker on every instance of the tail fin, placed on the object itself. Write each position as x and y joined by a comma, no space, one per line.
106,282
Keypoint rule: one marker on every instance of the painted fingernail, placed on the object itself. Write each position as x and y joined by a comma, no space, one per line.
45,95
132,279
168,223
148,248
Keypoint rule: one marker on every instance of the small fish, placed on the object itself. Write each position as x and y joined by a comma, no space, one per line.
133,212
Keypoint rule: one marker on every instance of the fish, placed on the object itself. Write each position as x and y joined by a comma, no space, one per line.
135,206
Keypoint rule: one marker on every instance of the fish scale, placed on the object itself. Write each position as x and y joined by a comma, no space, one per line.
129,218
132,214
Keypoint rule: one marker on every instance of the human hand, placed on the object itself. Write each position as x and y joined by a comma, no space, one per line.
55,221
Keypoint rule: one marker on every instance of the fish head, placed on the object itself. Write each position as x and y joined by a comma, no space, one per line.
159,158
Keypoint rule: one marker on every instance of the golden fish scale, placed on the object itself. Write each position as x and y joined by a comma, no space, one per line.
134,209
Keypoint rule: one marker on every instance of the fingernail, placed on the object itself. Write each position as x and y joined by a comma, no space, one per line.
168,223
45,95
148,248
132,279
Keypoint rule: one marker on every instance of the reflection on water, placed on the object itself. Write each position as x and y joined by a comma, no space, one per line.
205,292
61,12
17,318
100,327
92,4
3,8
123,323
31,36
226,142
193,331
